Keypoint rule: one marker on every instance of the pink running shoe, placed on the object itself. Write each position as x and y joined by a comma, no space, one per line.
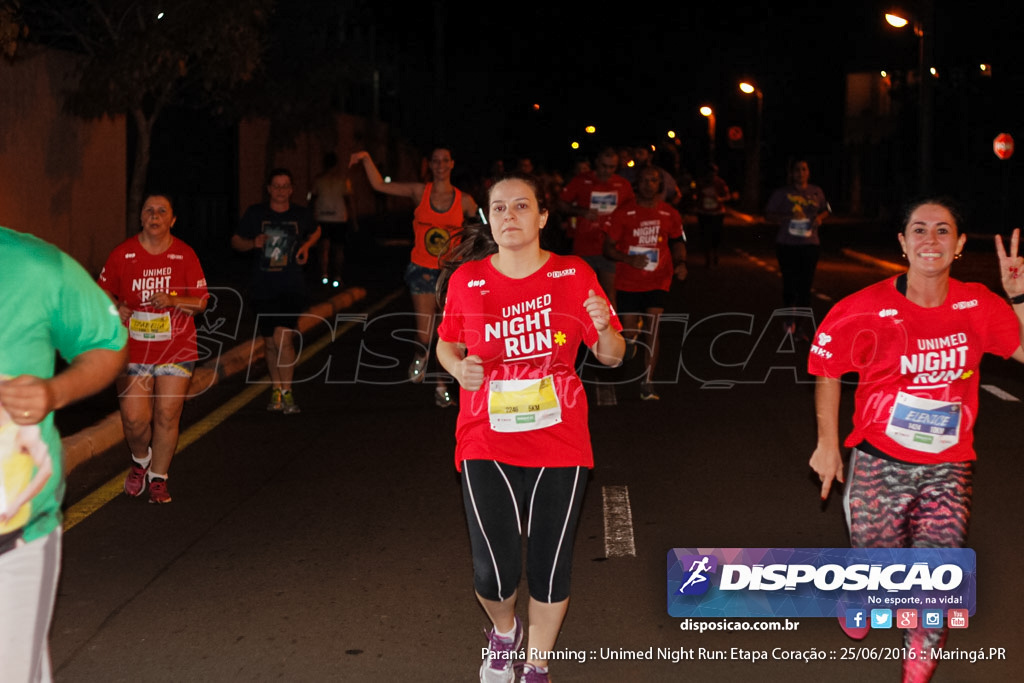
135,482
158,491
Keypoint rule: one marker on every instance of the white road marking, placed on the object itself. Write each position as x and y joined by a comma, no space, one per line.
618,522
996,391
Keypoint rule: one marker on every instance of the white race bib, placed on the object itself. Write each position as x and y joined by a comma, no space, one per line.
149,327
800,227
523,405
650,253
922,424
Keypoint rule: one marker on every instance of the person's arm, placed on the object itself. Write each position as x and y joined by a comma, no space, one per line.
826,460
468,371
302,254
469,206
610,346
29,399
413,191
679,258
1011,273
189,305
638,261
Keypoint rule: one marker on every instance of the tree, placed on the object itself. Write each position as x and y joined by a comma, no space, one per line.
139,56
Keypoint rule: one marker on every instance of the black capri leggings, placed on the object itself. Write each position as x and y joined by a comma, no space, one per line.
498,497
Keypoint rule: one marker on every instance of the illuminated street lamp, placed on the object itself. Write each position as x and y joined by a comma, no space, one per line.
710,114
753,175
924,90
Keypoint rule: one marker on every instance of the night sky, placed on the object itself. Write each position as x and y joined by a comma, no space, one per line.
638,71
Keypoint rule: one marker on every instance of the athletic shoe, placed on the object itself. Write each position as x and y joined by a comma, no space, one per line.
417,368
533,674
288,402
498,666
443,398
647,393
135,482
158,491
276,404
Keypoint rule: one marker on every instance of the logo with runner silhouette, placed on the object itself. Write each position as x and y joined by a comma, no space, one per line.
696,580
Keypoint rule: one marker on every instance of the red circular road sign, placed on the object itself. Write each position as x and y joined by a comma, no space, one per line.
1003,146
735,133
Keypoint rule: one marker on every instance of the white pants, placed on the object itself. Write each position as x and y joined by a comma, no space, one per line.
28,587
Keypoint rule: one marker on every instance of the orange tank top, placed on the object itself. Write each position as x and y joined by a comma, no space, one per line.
432,229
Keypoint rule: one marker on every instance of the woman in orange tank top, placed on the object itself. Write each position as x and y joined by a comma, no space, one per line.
440,210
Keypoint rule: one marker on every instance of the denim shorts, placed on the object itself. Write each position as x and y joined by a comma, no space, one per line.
421,280
161,370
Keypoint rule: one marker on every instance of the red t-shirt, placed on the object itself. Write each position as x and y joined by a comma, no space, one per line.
917,391
432,229
588,192
639,230
532,408
133,275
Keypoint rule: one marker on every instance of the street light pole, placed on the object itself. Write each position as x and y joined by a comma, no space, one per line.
924,106
752,183
710,114
922,29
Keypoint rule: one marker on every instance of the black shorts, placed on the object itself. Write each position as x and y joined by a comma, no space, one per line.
640,302
278,309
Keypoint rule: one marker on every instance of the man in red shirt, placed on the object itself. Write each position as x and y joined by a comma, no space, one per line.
589,198
645,239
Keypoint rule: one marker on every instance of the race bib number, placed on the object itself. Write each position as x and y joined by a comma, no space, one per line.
800,227
651,254
922,424
149,327
523,405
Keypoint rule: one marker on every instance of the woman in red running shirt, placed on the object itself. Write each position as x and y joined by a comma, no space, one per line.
514,317
157,282
908,487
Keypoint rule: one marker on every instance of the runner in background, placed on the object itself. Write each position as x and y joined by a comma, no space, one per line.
909,481
157,282
441,209
645,239
514,317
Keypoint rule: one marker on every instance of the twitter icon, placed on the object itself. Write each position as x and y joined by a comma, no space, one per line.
881,618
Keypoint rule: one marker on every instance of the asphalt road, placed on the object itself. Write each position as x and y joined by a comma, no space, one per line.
332,546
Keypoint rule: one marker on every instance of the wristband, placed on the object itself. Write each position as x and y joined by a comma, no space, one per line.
1019,299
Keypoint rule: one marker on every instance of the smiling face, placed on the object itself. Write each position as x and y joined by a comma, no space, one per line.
441,164
157,216
931,239
514,215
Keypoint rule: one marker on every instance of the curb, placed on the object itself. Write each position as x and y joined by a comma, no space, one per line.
108,432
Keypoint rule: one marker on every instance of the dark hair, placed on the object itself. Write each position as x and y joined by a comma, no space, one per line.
474,241
330,160
274,172
948,203
158,193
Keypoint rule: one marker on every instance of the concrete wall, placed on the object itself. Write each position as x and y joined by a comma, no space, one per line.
61,178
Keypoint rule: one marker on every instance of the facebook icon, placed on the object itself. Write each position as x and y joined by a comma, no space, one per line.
856,618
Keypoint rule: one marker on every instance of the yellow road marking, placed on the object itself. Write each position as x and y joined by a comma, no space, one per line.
113,488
